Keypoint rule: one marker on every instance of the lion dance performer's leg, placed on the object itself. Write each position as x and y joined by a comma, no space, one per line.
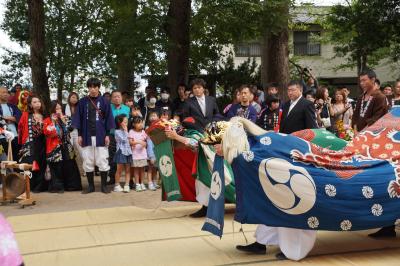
295,244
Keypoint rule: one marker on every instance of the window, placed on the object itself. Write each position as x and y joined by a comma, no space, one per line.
248,50
304,44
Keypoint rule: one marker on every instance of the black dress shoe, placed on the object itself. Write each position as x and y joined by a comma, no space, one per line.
255,248
280,256
388,231
200,213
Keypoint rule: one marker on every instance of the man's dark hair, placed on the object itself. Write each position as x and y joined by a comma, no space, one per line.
107,93
93,82
17,85
377,81
369,72
295,83
245,86
165,89
182,85
198,82
115,91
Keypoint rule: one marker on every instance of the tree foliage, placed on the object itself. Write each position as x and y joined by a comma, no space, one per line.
115,38
364,31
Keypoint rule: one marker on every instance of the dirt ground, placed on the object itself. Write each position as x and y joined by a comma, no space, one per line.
70,201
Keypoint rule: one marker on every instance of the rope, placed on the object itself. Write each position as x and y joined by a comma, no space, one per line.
28,173
241,230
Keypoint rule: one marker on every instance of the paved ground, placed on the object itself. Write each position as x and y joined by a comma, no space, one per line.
137,228
167,236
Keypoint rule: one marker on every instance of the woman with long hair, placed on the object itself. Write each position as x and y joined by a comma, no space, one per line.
323,108
59,151
32,141
69,110
341,109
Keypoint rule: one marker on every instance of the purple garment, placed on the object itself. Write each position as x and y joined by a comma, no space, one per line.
248,112
104,120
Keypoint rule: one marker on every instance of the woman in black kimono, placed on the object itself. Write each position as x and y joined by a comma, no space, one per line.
59,152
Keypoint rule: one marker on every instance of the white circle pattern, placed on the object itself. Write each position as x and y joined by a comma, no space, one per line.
313,222
377,209
367,192
266,141
345,225
248,156
330,190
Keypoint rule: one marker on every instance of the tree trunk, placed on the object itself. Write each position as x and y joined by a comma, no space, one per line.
278,61
178,27
72,82
275,54
60,86
125,16
264,59
363,62
126,78
38,50
359,65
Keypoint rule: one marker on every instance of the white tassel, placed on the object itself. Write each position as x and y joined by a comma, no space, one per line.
234,140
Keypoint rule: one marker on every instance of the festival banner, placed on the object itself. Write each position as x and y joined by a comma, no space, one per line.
167,170
205,163
214,222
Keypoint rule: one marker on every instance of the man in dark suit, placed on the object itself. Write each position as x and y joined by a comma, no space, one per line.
298,113
201,107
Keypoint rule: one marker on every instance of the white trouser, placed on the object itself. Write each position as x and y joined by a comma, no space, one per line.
294,243
92,155
202,193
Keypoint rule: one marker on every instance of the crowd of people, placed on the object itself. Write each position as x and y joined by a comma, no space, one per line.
106,133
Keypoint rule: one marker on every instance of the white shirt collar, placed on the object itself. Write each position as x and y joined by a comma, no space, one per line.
202,98
295,101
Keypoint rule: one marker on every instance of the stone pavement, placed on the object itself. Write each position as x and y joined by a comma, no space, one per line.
138,229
